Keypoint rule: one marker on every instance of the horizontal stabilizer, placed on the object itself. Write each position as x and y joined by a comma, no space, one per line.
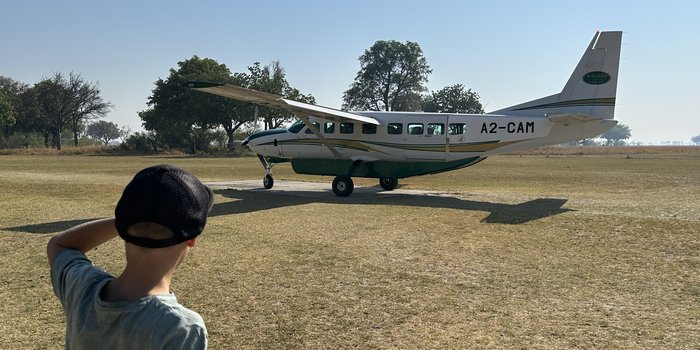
571,117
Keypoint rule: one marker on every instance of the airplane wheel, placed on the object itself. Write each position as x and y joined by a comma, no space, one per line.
342,186
388,183
268,181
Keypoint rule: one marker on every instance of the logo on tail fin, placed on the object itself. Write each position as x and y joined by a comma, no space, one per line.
596,78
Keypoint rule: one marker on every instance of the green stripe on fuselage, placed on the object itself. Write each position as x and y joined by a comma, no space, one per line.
366,145
593,102
378,169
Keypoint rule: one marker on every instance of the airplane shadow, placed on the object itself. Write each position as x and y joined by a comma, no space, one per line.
48,227
246,201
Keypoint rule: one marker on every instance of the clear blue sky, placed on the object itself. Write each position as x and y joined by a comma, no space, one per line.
507,51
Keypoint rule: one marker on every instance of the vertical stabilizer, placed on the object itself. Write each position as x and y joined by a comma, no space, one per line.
592,87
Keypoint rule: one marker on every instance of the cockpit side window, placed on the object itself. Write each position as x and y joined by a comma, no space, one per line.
316,125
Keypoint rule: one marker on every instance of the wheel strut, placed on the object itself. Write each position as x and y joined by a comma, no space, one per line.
268,181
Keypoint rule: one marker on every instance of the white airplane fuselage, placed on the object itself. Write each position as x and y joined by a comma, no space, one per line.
419,138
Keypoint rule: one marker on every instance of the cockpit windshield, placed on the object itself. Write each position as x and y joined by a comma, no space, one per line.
296,127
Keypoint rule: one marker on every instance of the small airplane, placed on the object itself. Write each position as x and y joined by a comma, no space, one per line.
396,145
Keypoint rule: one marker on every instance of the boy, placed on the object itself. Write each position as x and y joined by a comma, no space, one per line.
159,216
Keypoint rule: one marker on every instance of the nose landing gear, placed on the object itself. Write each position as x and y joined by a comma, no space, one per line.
268,181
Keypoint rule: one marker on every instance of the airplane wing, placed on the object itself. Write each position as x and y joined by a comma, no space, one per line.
265,99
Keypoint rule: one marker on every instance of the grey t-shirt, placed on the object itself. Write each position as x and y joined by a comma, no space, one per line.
154,322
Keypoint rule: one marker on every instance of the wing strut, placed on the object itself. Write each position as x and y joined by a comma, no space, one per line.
313,129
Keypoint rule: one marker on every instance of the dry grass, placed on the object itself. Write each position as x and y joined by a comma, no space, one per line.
631,151
498,265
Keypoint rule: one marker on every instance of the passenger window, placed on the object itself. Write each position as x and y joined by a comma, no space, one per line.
369,129
347,128
316,125
456,129
415,129
394,129
329,127
436,129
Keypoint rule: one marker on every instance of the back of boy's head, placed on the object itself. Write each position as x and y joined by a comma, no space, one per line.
168,196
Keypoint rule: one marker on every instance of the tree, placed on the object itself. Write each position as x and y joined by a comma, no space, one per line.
617,135
182,118
391,78
23,98
105,131
10,91
30,119
695,139
271,79
453,99
66,101
89,105
7,113
239,114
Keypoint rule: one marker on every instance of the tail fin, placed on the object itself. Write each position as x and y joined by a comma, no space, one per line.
591,88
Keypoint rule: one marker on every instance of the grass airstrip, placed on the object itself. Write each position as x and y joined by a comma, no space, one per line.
532,251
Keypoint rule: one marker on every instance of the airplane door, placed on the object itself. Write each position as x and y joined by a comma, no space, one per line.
456,135
278,147
437,136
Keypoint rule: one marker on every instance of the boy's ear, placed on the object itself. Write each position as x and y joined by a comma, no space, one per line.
192,242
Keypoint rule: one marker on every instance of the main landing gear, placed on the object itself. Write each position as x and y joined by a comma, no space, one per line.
342,184
388,184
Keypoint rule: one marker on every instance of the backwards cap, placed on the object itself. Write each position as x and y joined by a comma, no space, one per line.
168,196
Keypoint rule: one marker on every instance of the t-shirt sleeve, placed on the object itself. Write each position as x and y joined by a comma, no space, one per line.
70,271
193,337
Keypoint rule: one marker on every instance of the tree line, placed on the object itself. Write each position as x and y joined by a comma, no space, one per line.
392,77
57,104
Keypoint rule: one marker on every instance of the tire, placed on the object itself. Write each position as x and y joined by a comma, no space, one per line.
268,181
342,186
388,184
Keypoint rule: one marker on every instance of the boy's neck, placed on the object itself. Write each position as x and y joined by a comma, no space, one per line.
132,286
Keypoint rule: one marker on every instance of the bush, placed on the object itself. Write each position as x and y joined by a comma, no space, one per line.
139,142
22,140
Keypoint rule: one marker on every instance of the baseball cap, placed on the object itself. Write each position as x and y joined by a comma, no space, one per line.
168,196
